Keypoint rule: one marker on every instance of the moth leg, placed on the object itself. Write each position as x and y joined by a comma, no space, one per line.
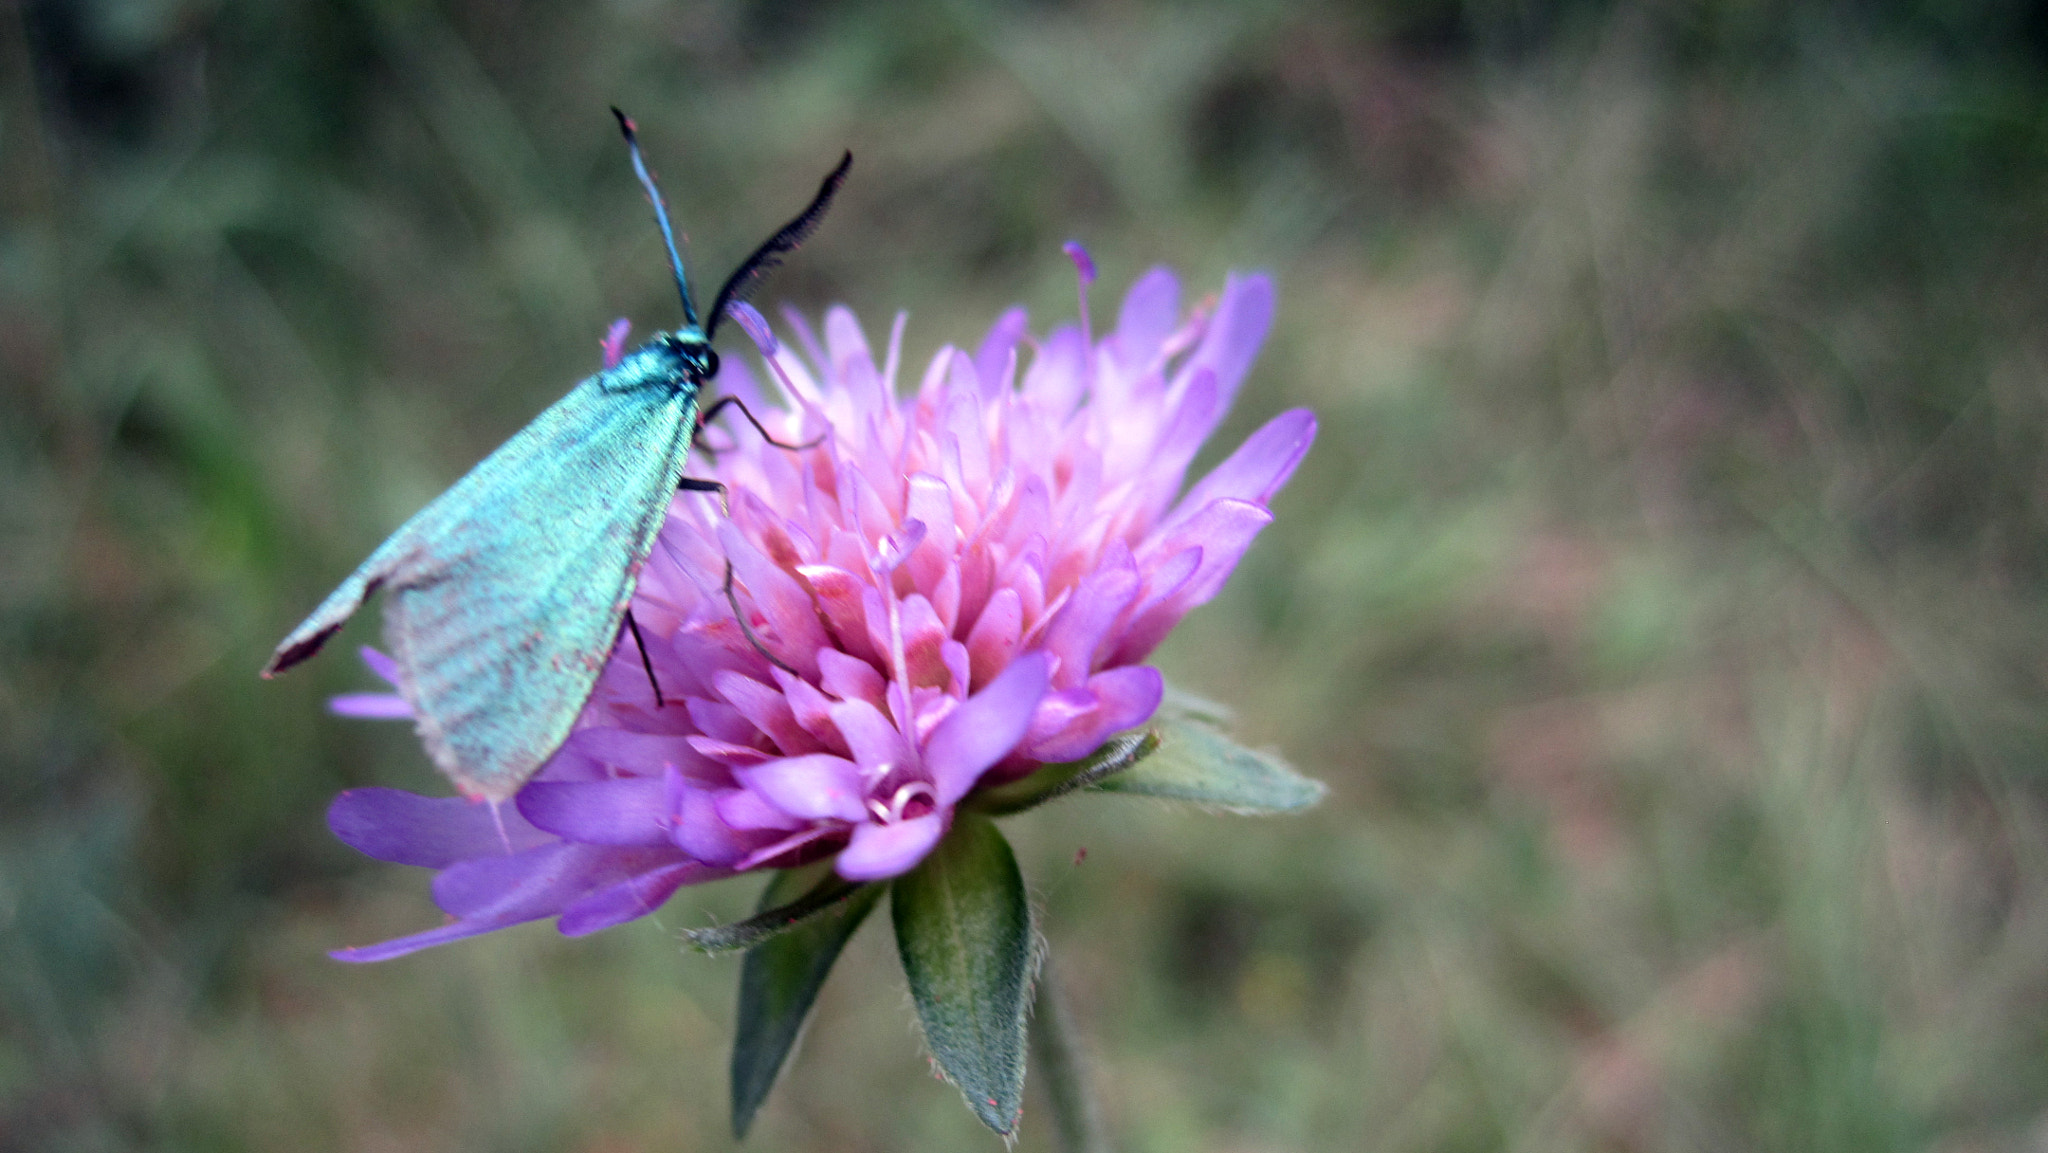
692,484
646,662
723,402
732,598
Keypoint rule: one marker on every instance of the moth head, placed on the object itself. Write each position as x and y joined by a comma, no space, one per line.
693,353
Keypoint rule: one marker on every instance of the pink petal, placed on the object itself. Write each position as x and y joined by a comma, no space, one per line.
924,637
995,635
1080,628
793,625
767,710
814,787
849,678
1122,698
984,728
880,851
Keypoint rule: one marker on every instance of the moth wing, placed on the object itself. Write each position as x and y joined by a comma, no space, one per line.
506,592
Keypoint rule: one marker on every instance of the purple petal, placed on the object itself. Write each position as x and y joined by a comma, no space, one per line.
702,833
879,851
1080,627
1243,316
1124,698
631,898
1150,312
382,665
767,710
400,946
501,891
813,787
982,729
1260,465
779,596
370,706
1055,376
995,634
627,811
784,853
876,743
432,832
644,753
615,341
848,678
1223,531
1192,417
992,360
747,811
533,883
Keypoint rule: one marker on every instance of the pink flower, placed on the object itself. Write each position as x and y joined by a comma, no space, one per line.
943,593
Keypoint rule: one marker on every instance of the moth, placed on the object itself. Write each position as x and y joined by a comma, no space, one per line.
505,596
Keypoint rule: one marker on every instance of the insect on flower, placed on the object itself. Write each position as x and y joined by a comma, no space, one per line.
507,594
937,611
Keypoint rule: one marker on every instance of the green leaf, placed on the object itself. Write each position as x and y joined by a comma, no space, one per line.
1049,781
963,926
780,978
1195,762
829,891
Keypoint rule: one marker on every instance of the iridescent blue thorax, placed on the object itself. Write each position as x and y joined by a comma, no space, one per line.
680,361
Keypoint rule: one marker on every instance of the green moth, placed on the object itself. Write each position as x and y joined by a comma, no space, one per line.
506,594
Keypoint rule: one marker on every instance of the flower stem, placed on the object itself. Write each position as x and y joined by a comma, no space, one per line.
1065,1073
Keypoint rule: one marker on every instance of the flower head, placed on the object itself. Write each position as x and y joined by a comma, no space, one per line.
936,593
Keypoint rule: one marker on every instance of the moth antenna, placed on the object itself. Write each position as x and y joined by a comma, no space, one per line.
741,283
668,235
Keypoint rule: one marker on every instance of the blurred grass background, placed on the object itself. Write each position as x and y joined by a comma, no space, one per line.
1664,600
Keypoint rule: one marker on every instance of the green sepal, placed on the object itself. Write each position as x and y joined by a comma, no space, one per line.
1196,762
963,927
780,978
1057,780
786,914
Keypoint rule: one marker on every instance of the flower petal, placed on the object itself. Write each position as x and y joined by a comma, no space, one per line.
984,728
813,787
631,898
433,832
1244,313
880,851
626,811
993,362
370,706
1122,698
1259,467
1150,311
